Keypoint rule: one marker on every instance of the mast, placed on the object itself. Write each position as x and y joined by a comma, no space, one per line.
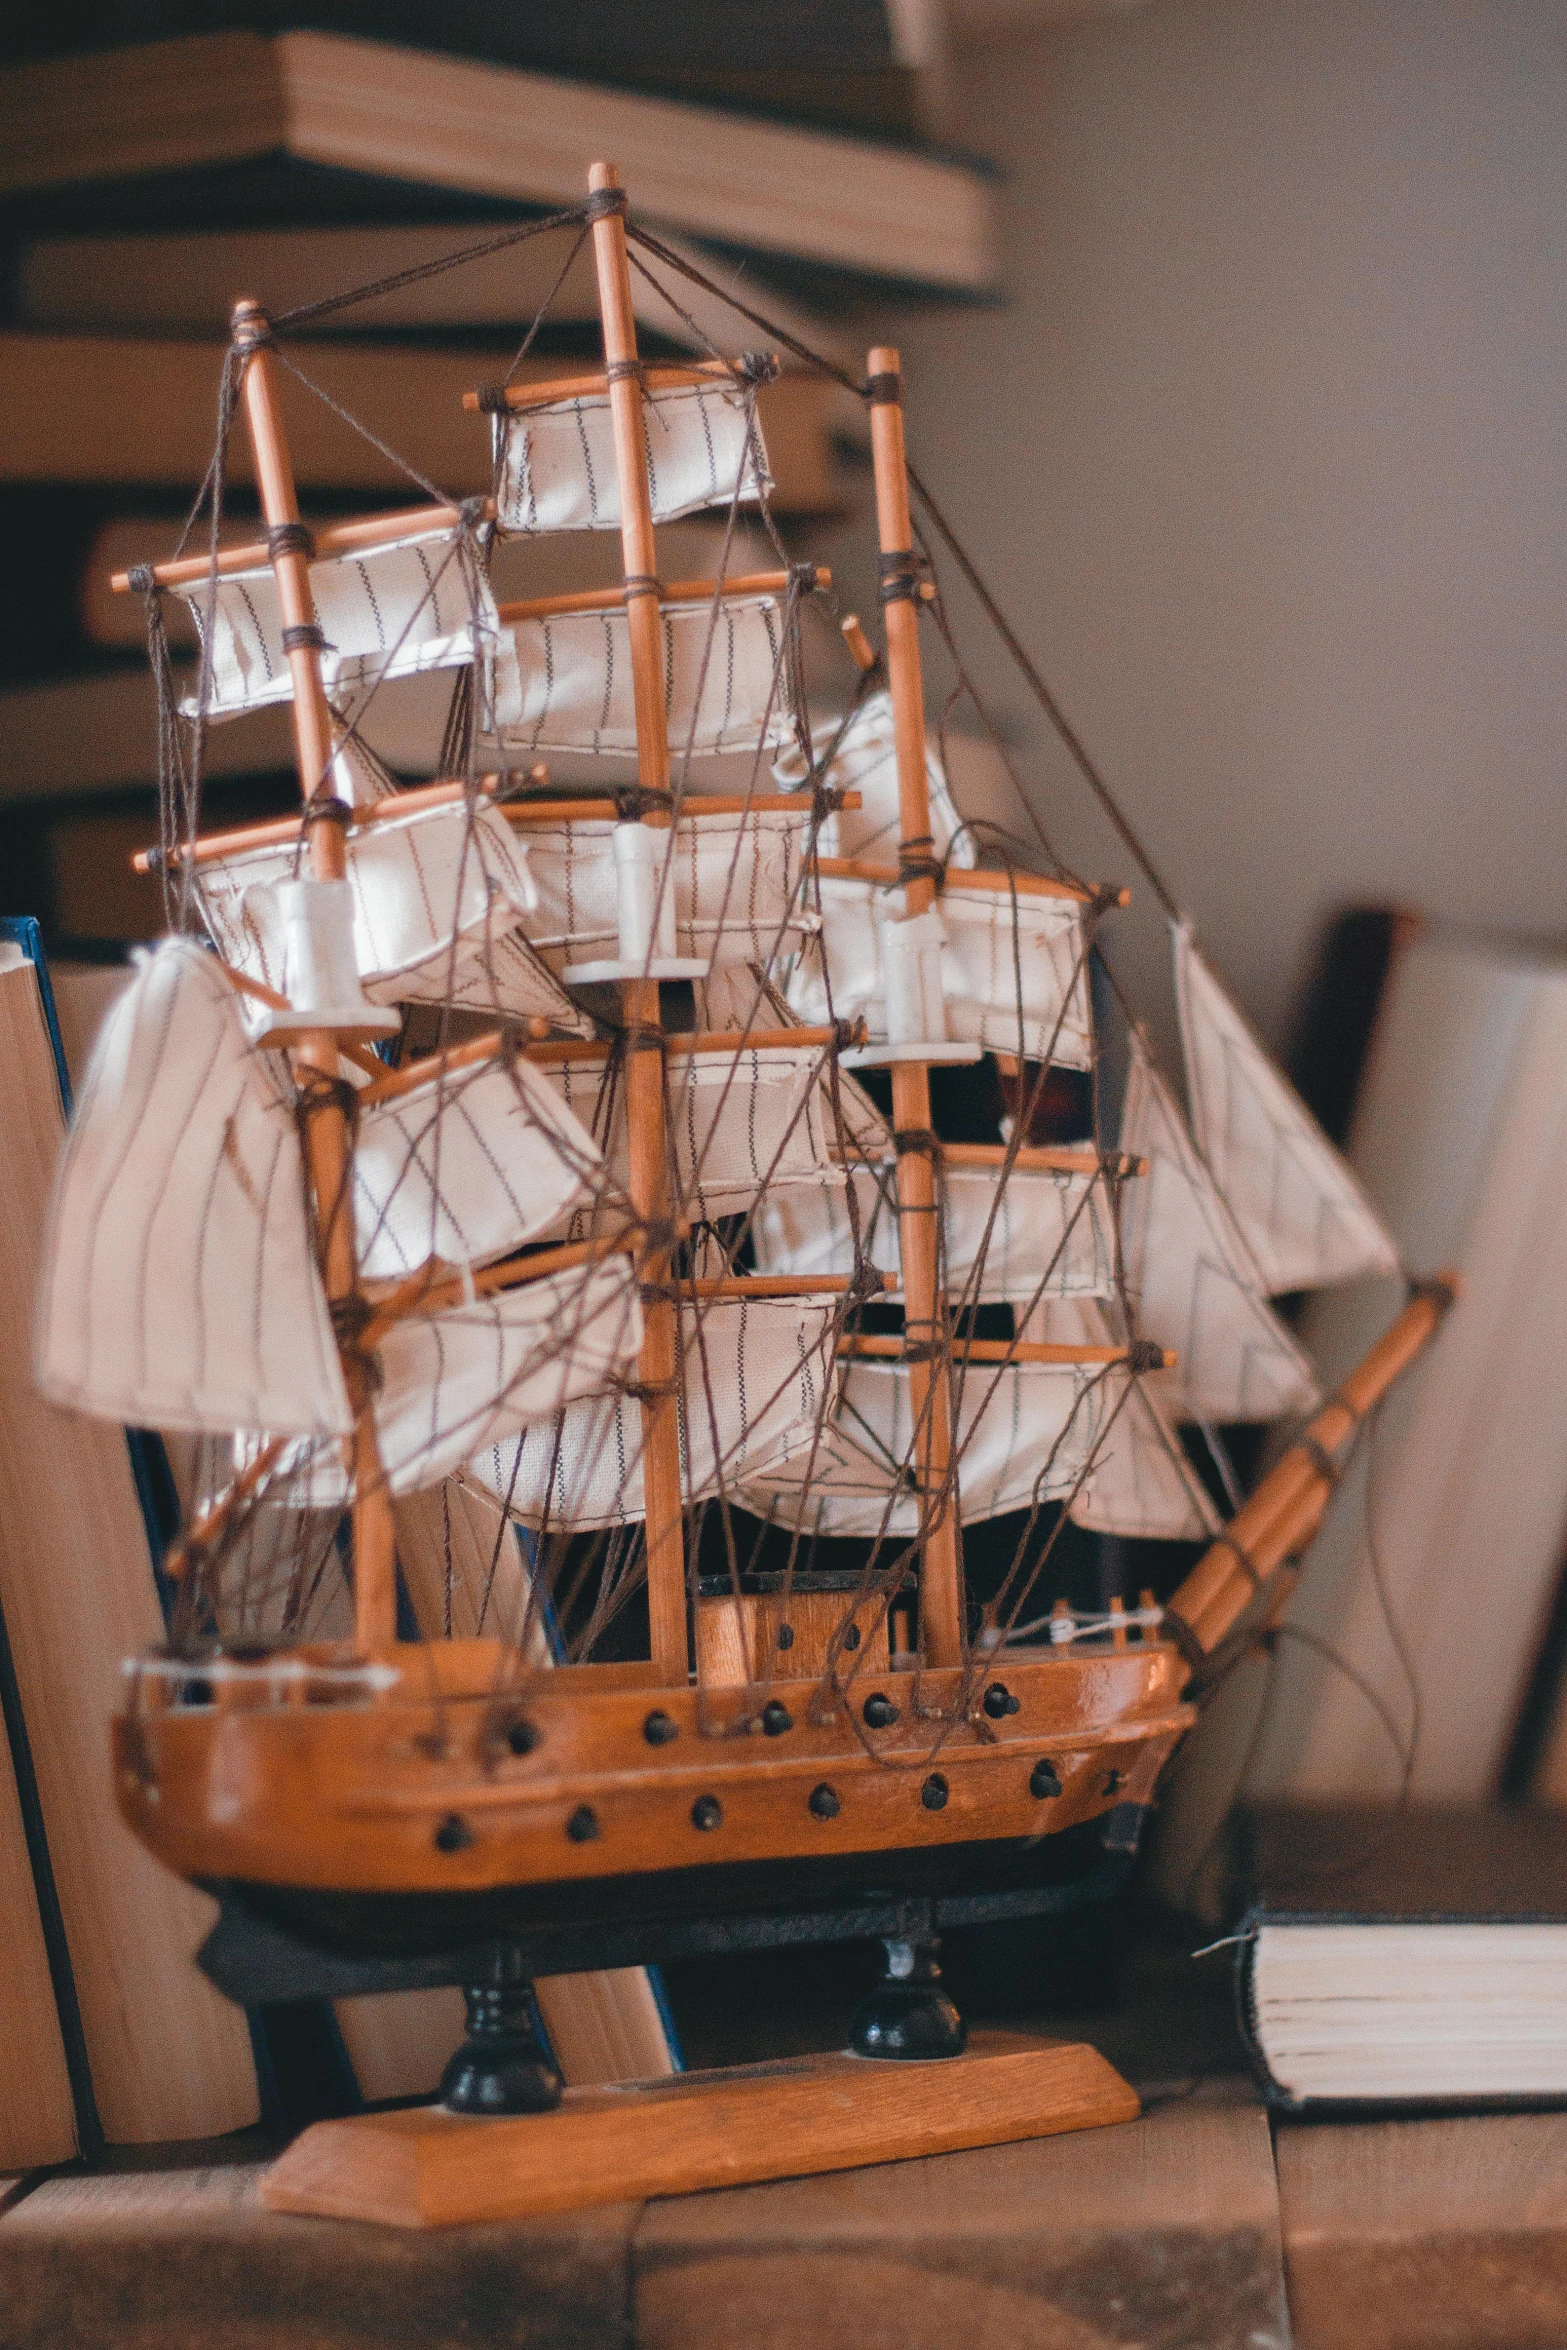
658,1364
327,1145
925,1312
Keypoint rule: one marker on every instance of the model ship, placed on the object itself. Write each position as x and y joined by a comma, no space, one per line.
599,1375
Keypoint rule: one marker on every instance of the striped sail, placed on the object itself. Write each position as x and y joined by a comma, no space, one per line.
756,1377
1304,1216
1022,1434
564,683
1141,1485
734,1122
866,762
736,881
465,1168
990,944
468,1378
180,1288
440,895
556,463
1194,1287
1039,1233
409,605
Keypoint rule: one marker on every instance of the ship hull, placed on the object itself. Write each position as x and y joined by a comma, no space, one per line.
418,1790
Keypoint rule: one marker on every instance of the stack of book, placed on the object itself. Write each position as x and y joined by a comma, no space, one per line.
295,165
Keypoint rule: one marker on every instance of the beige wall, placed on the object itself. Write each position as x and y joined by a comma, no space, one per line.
1267,451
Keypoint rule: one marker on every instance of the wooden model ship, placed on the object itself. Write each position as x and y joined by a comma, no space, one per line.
601,1375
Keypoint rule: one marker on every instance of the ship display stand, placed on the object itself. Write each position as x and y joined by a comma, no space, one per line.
392,1812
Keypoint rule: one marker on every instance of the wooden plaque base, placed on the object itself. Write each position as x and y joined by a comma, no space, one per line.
424,2167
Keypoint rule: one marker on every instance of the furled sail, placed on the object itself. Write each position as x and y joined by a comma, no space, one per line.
1191,1280
1041,1232
735,1121
1021,1433
180,1287
470,1377
563,682
557,469
1141,1484
467,1167
439,896
865,761
735,880
1014,972
396,609
1305,1218
756,1376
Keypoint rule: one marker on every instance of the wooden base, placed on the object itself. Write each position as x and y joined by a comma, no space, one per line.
426,2168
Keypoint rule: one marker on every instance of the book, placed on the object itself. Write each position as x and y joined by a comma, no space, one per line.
1452,1515
407,114
152,405
866,65
1407,1958
38,2110
183,281
167,2057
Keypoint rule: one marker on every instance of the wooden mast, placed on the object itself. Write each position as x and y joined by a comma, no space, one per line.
326,1127
658,1364
925,1313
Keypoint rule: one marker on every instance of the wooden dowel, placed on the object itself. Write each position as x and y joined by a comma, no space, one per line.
677,591
435,1285
1041,1158
990,1350
775,1285
657,376
1027,885
177,1558
327,1142
282,831
1284,1511
864,653
333,538
658,1366
390,1084
941,1597
695,805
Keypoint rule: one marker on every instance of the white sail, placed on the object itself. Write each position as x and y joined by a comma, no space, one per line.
564,683
1141,1485
733,1122
557,470
756,1375
989,944
180,1289
735,882
398,609
866,762
1022,1433
467,1378
1038,1233
1194,1287
465,1168
439,896
1302,1212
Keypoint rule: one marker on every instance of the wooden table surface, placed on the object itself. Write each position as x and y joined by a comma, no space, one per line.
1194,2228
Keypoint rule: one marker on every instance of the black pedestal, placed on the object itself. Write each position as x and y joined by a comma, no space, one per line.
503,2065
908,2014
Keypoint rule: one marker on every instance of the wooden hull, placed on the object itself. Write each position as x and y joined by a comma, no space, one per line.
417,1789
